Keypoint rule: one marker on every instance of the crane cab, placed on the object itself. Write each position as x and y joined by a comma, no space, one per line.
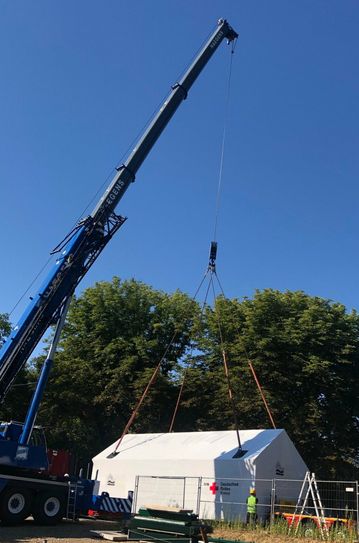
22,457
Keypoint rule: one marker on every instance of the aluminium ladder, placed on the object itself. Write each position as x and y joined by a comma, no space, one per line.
71,502
311,490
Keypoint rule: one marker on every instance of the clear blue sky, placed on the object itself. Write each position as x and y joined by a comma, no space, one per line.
80,79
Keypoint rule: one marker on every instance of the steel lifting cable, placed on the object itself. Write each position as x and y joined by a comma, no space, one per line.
211,269
186,369
256,380
226,116
224,358
30,285
154,375
152,380
144,394
215,237
148,386
213,252
230,393
226,370
170,429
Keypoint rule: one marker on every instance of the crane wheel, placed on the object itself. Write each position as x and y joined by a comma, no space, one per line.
14,505
49,508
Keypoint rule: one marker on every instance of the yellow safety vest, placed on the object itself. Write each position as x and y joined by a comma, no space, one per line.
251,504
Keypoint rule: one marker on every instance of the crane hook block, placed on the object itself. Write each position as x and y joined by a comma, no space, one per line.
213,255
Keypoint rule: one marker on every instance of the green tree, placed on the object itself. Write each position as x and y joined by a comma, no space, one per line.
305,351
16,402
116,334
5,327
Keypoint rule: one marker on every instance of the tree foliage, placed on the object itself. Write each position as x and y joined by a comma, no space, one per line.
4,326
19,396
305,351
116,334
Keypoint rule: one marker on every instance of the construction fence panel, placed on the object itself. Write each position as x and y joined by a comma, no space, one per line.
180,492
285,494
226,498
339,498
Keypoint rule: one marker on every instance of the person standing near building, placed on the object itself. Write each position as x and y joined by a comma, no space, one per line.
252,501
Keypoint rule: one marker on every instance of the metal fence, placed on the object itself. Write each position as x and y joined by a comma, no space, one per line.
183,492
339,498
225,498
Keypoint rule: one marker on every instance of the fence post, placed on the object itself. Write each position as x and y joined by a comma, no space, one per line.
357,506
199,490
184,493
134,503
272,502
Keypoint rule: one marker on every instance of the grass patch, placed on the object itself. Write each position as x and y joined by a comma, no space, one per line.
278,531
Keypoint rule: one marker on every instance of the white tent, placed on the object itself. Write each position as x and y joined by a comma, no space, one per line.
200,470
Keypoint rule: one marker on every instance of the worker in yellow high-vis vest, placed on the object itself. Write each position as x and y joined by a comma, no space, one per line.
252,501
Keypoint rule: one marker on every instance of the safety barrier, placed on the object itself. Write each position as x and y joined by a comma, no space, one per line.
180,492
225,498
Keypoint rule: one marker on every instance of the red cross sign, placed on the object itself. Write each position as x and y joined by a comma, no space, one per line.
213,488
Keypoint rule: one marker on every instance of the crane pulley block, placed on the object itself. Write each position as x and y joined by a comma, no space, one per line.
213,256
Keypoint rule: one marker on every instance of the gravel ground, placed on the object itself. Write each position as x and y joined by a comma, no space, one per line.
72,532
79,532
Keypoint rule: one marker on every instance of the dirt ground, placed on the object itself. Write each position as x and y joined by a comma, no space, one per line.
80,532
66,531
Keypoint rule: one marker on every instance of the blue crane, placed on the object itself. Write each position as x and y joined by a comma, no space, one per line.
20,453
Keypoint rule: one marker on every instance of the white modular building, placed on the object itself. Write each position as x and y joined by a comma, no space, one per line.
202,471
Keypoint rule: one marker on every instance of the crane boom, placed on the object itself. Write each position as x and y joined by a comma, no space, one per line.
83,245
